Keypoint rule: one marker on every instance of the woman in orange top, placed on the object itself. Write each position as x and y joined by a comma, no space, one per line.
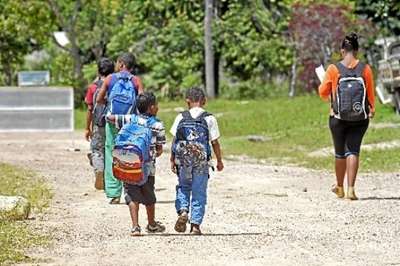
347,135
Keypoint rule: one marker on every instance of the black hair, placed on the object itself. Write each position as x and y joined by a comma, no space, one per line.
128,59
144,101
195,94
105,67
350,42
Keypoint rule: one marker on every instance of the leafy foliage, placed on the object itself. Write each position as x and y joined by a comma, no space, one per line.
316,32
20,33
255,42
166,37
251,38
384,13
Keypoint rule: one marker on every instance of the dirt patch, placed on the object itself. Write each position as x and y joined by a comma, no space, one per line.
256,214
384,125
366,147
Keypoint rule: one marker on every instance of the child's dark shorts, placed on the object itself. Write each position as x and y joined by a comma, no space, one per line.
143,194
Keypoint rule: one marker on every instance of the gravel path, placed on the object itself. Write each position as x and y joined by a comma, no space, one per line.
257,215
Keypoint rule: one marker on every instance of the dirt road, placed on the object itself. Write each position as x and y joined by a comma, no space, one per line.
257,215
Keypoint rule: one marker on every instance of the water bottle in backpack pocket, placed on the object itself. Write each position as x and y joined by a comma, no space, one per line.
192,142
122,95
351,102
132,151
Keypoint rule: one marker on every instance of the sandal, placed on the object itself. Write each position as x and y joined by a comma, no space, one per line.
115,200
195,230
180,225
339,191
155,228
136,231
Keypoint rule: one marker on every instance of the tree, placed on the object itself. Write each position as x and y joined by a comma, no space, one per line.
208,47
250,39
20,33
168,41
316,31
384,13
89,26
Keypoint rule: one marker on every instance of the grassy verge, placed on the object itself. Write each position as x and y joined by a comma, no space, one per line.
294,127
16,236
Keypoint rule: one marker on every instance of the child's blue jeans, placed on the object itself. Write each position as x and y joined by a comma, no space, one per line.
191,192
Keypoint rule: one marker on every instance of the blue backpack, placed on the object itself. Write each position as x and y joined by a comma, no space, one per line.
132,150
192,142
122,95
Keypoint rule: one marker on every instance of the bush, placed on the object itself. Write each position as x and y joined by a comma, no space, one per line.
253,89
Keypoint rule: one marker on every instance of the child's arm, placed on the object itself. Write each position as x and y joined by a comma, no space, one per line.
89,113
119,120
111,118
172,159
218,154
139,84
88,129
160,138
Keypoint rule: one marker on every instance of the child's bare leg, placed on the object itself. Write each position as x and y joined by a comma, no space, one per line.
153,226
134,211
151,214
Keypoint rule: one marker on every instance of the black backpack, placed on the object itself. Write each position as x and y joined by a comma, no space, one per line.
99,110
351,103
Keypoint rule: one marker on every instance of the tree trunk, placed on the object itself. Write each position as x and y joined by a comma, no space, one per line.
293,77
217,57
79,80
208,47
9,75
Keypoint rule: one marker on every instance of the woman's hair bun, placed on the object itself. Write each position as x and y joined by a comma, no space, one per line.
350,42
352,36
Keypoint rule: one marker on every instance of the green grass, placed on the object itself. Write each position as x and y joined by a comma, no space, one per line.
295,127
16,236
80,119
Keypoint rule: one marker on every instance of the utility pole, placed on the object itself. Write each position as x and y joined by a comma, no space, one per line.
208,48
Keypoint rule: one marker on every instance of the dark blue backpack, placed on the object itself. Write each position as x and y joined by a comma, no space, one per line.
351,103
192,142
122,94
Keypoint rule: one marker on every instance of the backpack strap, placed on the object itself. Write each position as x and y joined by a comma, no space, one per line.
151,121
113,80
351,72
98,83
186,115
123,75
204,115
360,69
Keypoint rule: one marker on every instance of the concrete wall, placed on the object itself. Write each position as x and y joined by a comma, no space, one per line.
29,109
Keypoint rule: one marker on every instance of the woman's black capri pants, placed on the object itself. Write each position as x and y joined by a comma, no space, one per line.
347,136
